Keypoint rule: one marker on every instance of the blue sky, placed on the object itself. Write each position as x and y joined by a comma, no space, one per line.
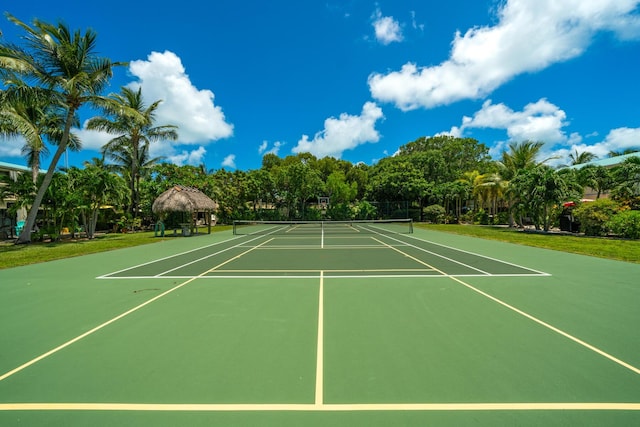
357,79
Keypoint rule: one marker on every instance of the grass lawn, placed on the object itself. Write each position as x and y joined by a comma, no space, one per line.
16,255
624,250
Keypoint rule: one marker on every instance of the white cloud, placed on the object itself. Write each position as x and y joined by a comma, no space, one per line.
11,147
529,36
91,139
263,147
619,139
538,121
386,28
229,161
343,133
193,157
275,149
414,23
199,120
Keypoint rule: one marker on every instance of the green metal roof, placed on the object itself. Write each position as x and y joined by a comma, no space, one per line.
606,162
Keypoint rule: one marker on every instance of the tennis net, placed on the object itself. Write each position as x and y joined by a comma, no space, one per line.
380,226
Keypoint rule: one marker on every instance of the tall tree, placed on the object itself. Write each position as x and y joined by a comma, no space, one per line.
578,158
66,69
95,186
598,178
627,182
520,158
538,190
130,148
33,120
618,153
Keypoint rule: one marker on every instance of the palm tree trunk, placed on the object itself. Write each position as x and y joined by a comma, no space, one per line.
25,236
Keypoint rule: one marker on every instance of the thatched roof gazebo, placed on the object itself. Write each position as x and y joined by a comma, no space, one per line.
187,200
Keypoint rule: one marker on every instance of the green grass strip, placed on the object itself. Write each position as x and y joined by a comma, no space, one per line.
17,255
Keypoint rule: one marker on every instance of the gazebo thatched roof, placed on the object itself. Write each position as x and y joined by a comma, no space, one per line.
183,199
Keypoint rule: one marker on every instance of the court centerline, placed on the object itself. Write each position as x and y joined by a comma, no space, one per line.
320,345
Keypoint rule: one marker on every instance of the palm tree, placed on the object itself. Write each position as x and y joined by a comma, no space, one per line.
96,186
623,152
471,180
540,189
130,148
578,158
67,72
492,187
18,118
37,121
521,157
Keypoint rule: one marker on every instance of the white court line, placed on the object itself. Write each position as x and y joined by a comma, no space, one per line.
337,407
239,245
284,275
320,346
107,323
167,257
214,254
437,254
91,331
539,273
479,255
535,319
551,327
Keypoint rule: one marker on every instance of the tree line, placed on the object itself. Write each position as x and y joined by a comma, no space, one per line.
440,179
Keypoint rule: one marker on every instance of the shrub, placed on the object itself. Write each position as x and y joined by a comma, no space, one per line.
339,212
365,210
435,214
501,218
481,217
626,224
594,216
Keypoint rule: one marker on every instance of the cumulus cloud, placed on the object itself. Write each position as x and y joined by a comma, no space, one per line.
162,76
200,122
538,121
11,147
189,157
91,139
343,133
275,148
529,36
386,28
229,161
619,139
543,121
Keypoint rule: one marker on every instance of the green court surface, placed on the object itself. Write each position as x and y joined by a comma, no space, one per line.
327,328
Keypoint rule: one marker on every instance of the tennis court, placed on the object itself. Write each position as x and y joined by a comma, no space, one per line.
321,324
